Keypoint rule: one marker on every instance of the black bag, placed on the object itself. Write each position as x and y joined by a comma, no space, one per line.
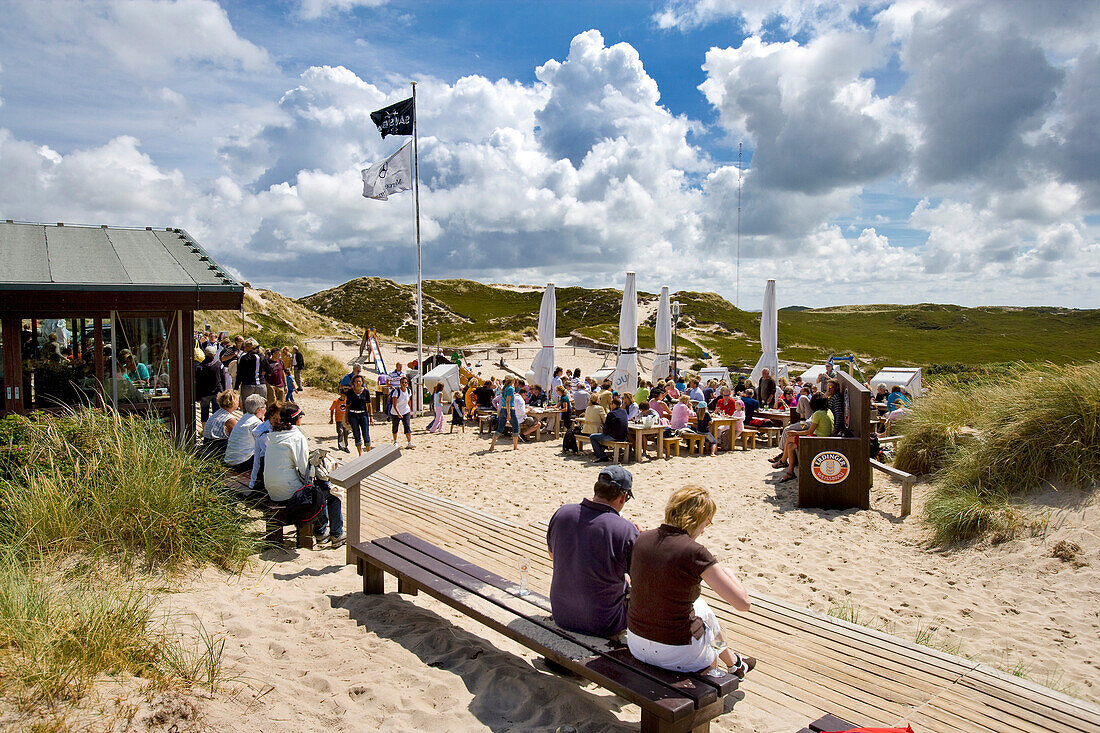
876,449
305,505
569,442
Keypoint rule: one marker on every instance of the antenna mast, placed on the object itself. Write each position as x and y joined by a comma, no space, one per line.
737,286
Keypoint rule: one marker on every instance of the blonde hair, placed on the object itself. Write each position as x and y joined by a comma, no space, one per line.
690,508
227,399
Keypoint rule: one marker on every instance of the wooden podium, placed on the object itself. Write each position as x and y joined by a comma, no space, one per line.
835,473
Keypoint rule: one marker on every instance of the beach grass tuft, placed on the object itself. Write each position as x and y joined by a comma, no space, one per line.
1024,431
97,512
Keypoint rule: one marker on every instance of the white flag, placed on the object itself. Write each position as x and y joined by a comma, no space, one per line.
392,175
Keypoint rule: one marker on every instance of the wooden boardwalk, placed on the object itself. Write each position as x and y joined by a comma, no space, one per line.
810,664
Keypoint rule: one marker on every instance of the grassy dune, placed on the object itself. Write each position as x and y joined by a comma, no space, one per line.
96,512
464,312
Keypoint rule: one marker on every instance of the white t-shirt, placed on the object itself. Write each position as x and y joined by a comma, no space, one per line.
242,443
400,403
521,408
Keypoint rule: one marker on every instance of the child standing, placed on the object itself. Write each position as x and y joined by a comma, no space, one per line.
437,409
457,412
338,413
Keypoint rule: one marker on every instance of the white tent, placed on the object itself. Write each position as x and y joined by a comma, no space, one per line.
662,333
769,336
447,374
626,370
719,373
908,378
543,364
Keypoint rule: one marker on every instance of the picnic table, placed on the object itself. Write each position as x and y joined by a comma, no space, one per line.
782,416
551,417
638,435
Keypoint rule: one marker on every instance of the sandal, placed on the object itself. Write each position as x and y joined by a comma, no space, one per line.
787,477
743,667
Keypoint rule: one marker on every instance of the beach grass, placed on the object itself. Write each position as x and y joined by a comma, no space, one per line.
98,513
1026,431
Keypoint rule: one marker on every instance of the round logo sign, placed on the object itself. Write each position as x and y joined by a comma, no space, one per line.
830,467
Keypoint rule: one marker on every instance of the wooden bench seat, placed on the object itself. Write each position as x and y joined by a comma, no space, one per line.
671,702
747,438
695,442
828,724
620,450
772,434
907,480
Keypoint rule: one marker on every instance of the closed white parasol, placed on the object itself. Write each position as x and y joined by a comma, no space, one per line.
662,333
625,378
769,336
543,364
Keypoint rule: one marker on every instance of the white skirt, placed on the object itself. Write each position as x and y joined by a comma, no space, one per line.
698,655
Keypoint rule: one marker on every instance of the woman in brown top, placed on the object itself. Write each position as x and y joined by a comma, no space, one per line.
669,624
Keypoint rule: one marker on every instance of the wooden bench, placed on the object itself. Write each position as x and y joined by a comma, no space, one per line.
828,724
669,446
620,450
274,515
694,442
772,434
747,438
486,424
671,702
907,480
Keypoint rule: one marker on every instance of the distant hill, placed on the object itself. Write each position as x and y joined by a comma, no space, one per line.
267,312
466,312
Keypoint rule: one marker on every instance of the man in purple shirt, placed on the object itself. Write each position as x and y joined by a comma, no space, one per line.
590,545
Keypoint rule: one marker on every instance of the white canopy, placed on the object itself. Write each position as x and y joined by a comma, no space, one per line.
543,364
719,373
769,336
662,333
907,377
626,370
448,375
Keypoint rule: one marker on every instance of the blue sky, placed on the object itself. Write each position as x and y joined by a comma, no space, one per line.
908,151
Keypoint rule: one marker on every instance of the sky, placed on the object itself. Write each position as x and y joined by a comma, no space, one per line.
891,152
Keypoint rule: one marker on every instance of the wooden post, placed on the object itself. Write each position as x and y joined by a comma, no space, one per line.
350,476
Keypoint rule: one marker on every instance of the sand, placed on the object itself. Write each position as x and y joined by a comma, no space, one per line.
306,651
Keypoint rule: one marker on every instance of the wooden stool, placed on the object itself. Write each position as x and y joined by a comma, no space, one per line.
772,435
747,439
671,445
695,443
620,449
485,424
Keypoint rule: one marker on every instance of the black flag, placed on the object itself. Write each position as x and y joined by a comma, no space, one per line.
397,119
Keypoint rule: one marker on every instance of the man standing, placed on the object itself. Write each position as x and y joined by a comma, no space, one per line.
825,376
299,365
766,388
614,430
275,377
251,367
345,381
208,383
590,545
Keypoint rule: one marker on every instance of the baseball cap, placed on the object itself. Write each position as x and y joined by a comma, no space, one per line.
619,477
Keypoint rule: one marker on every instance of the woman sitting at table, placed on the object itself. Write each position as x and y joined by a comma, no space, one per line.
629,407
657,404
681,413
881,393
669,624
897,398
136,372
565,406
219,427
821,425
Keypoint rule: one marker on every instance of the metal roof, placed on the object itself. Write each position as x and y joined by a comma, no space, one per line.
67,257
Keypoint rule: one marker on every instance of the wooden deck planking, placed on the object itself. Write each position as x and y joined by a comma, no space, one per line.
809,664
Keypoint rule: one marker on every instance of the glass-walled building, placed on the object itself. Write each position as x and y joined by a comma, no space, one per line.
104,316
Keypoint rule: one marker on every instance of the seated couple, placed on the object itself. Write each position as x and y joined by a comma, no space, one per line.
667,622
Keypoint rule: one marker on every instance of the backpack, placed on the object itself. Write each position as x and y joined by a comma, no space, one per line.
569,443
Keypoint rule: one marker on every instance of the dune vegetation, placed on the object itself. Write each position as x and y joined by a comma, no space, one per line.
957,338
988,443
97,512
